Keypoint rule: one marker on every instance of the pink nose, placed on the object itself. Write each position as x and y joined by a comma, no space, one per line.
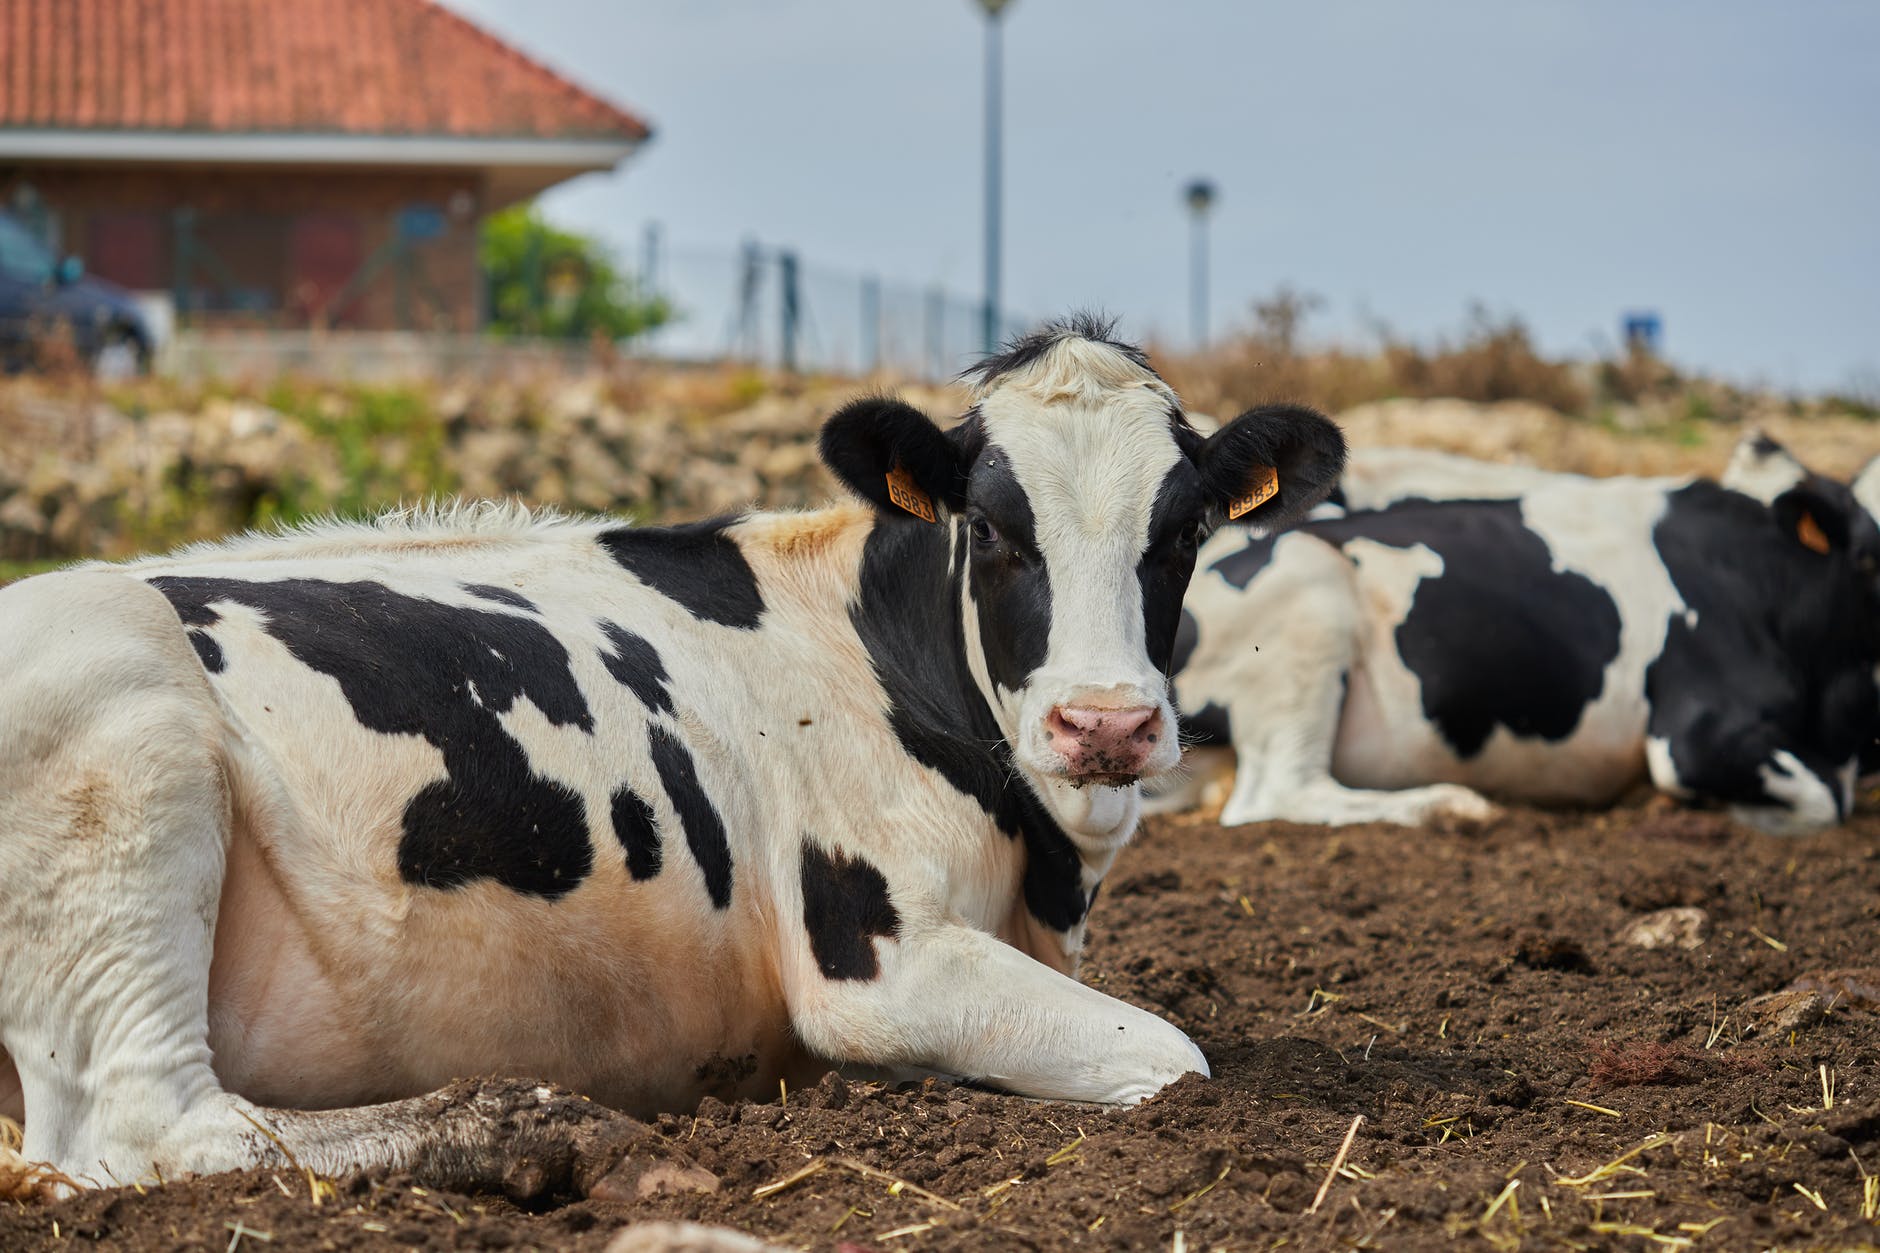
1105,744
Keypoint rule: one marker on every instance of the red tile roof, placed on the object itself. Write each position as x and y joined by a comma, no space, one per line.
361,67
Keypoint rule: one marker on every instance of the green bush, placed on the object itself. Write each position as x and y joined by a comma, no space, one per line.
557,284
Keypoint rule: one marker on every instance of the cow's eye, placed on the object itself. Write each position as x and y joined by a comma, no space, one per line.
985,535
1190,536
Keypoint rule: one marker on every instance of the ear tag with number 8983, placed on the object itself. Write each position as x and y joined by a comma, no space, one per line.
1263,486
905,492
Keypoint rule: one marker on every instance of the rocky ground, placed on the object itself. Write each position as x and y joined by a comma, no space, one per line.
85,472
1643,1029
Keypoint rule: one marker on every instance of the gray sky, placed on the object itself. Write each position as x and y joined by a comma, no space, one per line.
1715,160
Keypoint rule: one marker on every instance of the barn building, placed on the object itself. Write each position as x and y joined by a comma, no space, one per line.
313,164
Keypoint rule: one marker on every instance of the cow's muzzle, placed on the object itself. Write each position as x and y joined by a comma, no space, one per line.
1105,745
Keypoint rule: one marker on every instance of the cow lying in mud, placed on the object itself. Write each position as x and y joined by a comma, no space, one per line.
1558,645
296,828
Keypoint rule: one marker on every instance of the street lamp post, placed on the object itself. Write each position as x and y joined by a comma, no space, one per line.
1200,197
995,9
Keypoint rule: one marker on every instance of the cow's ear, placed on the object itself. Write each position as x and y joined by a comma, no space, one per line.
1762,468
1867,488
1270,465
1816,516
892,455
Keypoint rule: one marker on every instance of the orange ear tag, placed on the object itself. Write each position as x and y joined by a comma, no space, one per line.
905,492
1263,487
1810,533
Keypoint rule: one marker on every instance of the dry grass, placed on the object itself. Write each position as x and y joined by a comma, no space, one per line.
21,1180
1642,1062
1492,360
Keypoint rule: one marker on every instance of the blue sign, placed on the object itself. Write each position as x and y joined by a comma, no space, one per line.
1642,330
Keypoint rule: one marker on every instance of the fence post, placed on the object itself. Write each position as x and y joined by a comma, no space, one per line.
750,277
182,243
649,261
934,314
791,309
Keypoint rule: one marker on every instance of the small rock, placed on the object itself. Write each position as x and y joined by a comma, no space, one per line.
1681,927
639,1176
686,1238
1792,1009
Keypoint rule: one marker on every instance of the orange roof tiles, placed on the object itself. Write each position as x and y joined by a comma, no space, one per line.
361,67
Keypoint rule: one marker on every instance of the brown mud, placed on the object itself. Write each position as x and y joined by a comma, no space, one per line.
1529,1073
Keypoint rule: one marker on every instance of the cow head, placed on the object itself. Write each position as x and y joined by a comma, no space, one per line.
1074,494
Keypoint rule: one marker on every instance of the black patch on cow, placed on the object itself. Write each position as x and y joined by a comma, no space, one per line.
845,905
704,829
906,618
1244,564
1206,726
1028,349
410,666
1168,560
1780,657
1187,639
501,595
637,665
697,565
209,651
634,828
1500,638
1010,584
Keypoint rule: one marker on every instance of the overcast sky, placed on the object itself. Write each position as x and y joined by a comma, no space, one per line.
1715,160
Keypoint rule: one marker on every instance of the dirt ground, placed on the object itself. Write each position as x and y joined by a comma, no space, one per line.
1526,1076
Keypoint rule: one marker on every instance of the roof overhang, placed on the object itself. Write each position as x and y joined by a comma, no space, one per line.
260,148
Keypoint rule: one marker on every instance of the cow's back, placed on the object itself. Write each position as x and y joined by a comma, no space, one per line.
1505,643
471,776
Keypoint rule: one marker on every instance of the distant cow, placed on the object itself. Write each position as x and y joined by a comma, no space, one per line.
1560,645
297,823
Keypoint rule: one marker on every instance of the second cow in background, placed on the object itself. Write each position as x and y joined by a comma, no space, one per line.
1558,645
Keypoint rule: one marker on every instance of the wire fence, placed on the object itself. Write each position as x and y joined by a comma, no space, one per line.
767,306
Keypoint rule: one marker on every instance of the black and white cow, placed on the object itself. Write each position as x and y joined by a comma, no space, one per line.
298,824
1559,645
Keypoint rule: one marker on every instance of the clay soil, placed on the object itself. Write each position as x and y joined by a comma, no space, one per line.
1526,1078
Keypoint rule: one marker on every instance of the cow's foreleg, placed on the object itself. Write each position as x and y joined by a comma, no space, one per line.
1739,759
958,1001
1283,688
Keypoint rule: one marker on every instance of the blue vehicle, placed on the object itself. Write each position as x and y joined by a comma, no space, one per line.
43,299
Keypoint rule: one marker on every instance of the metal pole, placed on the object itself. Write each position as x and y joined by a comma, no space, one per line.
1198,280
989,333
791,310
935,315
871,323
649,261
1200,195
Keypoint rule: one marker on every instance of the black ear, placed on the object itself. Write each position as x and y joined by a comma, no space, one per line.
1270,465
1818,515
870,440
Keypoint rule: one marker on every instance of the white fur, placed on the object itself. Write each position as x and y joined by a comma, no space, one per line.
1376,478
1762,468
1808,802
